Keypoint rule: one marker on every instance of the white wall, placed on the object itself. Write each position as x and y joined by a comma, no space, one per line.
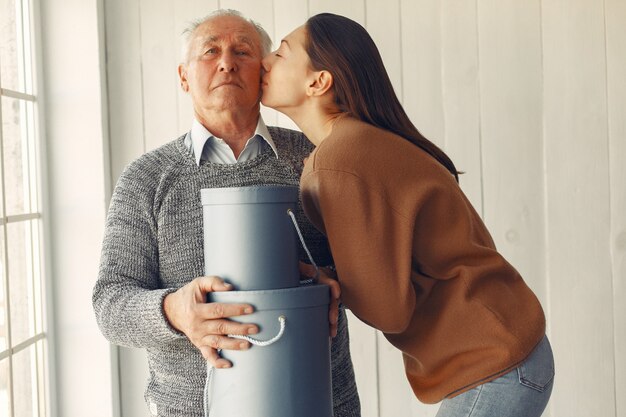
527,97
74,103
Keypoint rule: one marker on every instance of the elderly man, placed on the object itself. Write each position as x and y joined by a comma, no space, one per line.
150,291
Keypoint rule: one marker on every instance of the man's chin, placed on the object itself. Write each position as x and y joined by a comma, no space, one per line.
227,95
232,103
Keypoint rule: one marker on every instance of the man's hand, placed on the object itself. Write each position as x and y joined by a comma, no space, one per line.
206,324
326,277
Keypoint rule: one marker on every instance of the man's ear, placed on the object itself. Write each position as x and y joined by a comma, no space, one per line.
182,76
320,83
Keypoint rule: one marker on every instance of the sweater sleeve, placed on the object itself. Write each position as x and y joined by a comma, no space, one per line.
371,245
127,297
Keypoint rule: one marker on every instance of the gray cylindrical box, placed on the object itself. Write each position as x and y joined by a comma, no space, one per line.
249,239
292,376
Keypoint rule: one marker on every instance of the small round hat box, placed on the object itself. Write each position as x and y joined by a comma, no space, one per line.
249,239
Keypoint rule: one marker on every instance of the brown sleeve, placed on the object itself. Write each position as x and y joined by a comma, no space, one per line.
371,245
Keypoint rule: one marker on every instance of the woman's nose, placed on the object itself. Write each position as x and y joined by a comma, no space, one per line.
265,62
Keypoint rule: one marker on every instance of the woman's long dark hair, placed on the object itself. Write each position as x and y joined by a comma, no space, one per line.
361,84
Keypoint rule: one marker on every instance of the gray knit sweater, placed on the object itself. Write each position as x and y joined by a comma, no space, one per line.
153,245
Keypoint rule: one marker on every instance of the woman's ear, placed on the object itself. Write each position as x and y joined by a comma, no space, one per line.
320,83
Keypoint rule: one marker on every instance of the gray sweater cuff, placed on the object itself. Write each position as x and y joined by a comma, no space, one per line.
159,326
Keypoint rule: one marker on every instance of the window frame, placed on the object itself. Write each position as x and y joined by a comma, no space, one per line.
28,40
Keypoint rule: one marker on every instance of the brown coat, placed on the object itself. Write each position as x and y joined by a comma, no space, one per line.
415,260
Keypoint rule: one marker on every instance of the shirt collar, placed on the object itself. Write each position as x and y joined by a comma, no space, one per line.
200,134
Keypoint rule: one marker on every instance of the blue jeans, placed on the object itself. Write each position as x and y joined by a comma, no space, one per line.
523,392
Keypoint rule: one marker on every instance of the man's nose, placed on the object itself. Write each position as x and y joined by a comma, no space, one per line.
227,63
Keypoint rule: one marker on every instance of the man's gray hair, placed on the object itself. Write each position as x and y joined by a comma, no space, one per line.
266,41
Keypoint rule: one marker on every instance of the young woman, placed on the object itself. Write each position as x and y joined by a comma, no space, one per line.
413,257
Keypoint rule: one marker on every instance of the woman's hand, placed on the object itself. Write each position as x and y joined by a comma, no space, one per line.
329,278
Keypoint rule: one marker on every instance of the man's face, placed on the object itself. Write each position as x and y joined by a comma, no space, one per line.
223,68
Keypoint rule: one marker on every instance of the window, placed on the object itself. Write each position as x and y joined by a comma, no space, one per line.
23,349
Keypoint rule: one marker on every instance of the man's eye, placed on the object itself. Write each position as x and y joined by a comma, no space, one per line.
241,53
210,51
278,55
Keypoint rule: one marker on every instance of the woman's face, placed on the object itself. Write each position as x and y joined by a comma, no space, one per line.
287,71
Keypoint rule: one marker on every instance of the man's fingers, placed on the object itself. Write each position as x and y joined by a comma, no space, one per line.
212,284
214,358
223,327
223,310
222,342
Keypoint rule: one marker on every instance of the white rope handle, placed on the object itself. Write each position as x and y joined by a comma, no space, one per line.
207,388
281,319
306,249
209,370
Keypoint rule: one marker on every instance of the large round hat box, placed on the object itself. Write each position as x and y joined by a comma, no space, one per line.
290,377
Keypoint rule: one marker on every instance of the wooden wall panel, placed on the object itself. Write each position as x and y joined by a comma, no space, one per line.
381,22
616,87
123,46
577,192
133,369
421,66
396,395
159,59
460,94
509,50
354,9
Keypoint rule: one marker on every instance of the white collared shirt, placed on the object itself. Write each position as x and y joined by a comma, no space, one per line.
218,151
